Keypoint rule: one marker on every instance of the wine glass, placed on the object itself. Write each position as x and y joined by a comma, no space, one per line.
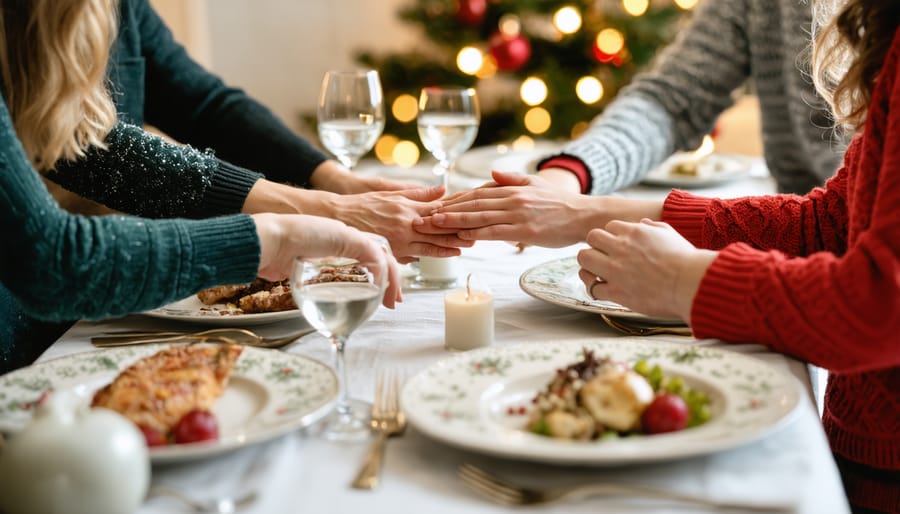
350,113
447,120
336,295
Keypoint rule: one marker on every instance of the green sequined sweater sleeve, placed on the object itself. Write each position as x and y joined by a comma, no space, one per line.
61,266
142,174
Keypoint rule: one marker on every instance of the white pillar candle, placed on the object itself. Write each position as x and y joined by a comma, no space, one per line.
439,268
468,319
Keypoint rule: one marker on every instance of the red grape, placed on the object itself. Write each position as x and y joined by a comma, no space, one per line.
153,436
666,413
196,426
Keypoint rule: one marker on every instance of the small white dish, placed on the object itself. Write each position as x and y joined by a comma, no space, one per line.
708,171
466,400
479,162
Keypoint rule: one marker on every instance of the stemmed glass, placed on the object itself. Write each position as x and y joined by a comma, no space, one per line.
335,304
447,120
350,113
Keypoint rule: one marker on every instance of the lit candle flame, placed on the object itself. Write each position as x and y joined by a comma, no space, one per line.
707,147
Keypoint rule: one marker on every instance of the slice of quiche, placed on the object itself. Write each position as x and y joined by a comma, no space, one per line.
157,391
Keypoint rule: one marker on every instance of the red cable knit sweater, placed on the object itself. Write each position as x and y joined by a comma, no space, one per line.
818,277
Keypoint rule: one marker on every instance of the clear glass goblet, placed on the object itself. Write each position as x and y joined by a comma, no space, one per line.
350,113
336,295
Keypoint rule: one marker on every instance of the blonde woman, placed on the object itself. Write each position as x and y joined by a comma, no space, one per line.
56,266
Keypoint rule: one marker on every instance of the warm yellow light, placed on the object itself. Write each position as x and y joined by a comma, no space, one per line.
637,7
537,120
510,25
686,4
384,148
523,143
488,67
610,41
589,90
579,128
707,147
567,20
406,154
533,91
469,60
404,108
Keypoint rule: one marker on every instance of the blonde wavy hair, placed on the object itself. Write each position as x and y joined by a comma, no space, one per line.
852,38
53,59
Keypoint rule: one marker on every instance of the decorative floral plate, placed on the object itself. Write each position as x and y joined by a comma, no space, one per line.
269,394
192,310
466,400
557,282
708,171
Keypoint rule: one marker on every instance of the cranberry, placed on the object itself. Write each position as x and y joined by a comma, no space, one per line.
666,413
153,436
196,426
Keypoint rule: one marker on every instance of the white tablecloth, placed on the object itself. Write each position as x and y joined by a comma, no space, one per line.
302,473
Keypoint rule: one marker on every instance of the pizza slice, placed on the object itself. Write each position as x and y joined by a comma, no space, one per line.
158,391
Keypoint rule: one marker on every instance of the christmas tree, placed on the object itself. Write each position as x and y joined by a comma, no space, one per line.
543,68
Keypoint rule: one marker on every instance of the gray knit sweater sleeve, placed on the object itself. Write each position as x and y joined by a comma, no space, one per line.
61,266
673,105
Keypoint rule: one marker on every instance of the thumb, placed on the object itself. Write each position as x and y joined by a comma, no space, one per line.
503,178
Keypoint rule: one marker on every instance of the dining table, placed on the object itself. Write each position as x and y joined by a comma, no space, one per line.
302,472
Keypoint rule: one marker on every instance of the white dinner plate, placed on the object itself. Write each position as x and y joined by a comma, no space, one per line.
557,282
465,400
192,310
712,170
479,162
269,394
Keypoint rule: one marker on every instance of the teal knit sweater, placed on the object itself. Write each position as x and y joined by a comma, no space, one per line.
61,266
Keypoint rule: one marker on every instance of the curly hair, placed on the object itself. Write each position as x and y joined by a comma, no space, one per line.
848,54
53,59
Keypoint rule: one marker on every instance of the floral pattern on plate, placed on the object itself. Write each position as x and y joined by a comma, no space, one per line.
270,393
474,400
557,282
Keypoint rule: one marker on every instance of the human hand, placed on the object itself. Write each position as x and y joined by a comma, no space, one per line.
524,208
284,237
391,214
645,266
334,177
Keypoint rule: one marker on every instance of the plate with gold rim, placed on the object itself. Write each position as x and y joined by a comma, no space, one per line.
192,310
476,400
270,393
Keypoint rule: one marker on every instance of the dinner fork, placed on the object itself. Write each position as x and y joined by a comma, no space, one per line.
504,492
637,329
215,335
387,420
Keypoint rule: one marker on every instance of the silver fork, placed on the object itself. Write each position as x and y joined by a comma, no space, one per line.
215,335
637,329
387,420
506,493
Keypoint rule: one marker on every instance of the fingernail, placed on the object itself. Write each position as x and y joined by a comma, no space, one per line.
438,218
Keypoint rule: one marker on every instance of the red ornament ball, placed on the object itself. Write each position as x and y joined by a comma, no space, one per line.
471,12
510,52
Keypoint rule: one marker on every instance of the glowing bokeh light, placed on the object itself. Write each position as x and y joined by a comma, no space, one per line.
510,25
404,108
406,154
469,60
636,7
686,4
589,90
567,20
610,41
523,143
384,148
533,91
537,120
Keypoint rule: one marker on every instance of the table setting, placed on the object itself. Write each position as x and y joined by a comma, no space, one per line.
338,404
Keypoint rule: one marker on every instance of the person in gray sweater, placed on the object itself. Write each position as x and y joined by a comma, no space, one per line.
670,108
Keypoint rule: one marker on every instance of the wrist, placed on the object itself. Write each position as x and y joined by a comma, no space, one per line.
688,280
330,176
561,179
267,196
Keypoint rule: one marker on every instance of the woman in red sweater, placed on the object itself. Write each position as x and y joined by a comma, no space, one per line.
816,277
